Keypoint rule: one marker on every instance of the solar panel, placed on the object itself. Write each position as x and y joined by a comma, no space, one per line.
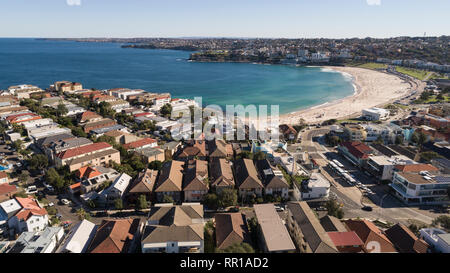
442,179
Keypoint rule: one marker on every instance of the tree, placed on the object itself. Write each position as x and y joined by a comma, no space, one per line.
210,200
38,162
82,214
166,110
419,138
227,198
61,110
428,156
260,156
108,139
23,177
54,179
155,165
379,140
334,209
442,221
118,204
142,202
168,199
440,97
77,131
399,140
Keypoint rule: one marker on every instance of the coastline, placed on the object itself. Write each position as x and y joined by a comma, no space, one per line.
372,88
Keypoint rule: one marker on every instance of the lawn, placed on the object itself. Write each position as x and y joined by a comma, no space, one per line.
373,66
433,99
415,73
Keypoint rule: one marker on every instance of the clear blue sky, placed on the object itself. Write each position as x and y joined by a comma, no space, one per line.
231,18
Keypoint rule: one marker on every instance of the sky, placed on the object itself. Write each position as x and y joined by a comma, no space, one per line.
231,18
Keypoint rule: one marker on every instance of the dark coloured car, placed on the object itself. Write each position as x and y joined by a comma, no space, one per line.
367,208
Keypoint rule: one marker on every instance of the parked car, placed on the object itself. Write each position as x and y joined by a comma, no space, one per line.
65,201
31,190
279,209
367,208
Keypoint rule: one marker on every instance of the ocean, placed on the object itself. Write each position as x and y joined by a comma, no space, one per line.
107,65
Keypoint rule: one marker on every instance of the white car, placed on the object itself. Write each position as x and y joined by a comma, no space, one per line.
65,201
31,190
50,204
279,209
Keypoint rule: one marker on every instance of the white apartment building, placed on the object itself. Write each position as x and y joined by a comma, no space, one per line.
421,188
318,187
382,167
375,114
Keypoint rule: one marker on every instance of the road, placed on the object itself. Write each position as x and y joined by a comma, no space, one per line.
385,206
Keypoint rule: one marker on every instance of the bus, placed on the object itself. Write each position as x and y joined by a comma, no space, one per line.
339,164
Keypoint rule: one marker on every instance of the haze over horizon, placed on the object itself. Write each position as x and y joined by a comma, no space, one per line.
202,18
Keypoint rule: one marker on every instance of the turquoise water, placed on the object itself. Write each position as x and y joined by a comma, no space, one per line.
106,65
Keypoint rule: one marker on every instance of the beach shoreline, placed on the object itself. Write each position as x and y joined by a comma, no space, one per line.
372,88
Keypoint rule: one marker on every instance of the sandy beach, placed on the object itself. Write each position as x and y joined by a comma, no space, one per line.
373,88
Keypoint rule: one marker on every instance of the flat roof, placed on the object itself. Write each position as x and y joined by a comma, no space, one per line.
275,233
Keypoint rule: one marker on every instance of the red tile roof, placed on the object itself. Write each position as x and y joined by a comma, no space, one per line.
358,149
3,175
83,150
29,208
143,114
88,172
88,115
6,188
75,186
139,143
345,239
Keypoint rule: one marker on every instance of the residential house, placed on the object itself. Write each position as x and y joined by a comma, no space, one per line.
196,183
316,187
347,242
98,124
122,137
247,179
78,238
58,145
195,151
354,132
274,237
288,132
305,228
174,229
231,229
30,217
375,241
405,240
220,149
141,144
3,178
92,178
7,191
170,181
356,152
44,241
115,236
89,116
118,188
149,155
142,185
221,174
438,239
332,224
95,154
272,179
